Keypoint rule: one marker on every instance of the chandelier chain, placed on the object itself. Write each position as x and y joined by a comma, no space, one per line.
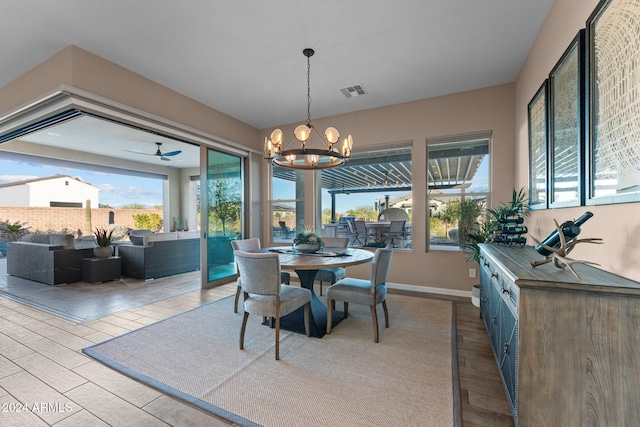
308,90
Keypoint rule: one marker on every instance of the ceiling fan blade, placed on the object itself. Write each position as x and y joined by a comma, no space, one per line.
139,152
164,158
172,153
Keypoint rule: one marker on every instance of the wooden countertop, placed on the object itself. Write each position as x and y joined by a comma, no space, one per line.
517,260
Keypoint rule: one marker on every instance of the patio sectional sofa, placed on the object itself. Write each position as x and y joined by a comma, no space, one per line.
56,259
53,259
161,254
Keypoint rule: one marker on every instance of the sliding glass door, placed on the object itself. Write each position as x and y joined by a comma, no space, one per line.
224,219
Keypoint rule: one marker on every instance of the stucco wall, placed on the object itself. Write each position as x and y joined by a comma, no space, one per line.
618,225
64,189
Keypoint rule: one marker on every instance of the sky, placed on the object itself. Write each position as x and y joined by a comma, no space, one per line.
115,190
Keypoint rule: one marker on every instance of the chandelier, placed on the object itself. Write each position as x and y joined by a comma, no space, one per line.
326,154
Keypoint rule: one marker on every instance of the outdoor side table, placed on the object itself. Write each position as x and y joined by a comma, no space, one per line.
96,270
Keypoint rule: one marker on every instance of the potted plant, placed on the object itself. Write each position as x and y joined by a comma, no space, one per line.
103,238
307,242
12,232
479,235
483,230
516,207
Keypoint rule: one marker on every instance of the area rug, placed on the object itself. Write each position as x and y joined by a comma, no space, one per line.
341,379
82,302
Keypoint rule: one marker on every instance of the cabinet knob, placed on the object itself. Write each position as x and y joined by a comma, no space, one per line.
486,264
494,275
484,299
506,348
493,320
506,291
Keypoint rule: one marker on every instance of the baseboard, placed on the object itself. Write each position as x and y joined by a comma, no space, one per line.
429,290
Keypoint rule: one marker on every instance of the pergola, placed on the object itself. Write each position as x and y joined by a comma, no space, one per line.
388,171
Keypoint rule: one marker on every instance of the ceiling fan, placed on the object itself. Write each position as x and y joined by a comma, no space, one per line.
159,153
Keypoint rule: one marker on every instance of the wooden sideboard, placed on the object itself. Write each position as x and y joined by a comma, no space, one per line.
568,349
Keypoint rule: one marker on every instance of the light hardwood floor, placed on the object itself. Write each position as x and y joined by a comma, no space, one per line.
482,395
41,363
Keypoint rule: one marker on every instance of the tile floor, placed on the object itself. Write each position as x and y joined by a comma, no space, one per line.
46,380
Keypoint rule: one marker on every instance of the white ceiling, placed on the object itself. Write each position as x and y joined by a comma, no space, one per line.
245,59
105,138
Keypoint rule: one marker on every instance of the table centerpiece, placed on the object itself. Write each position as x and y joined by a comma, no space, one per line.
307,242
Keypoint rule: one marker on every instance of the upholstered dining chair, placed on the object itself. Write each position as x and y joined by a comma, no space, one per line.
332,275
265,296
366,292
248,245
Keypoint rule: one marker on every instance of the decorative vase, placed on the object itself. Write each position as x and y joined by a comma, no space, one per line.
475,295
307,248
103,251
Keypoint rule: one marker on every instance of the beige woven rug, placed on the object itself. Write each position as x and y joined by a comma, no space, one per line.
342,379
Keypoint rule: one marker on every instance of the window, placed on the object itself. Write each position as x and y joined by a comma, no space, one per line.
375,179
225,212
458,187
287,203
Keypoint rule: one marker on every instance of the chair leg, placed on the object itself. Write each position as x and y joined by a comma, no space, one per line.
320,287
330,308
307,315
374,317
346,310
235,304
242,329
277,333
386,313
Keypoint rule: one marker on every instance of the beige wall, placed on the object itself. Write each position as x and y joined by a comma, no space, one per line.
484,109
618,225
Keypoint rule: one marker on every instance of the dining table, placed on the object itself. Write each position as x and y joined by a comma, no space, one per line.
306,266
379,226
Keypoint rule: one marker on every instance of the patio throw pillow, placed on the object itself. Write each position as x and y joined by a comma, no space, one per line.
67,241
36,238
136,236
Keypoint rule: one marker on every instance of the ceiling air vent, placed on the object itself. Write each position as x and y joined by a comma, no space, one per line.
353,91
